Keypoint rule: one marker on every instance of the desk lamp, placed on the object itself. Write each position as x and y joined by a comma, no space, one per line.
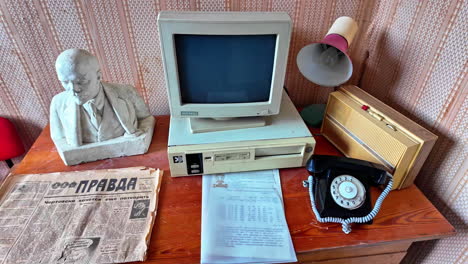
10,143
327,63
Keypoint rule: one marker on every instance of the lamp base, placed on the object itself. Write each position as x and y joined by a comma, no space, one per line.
313,114
9,163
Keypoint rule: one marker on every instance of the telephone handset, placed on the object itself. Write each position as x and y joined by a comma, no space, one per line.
339,189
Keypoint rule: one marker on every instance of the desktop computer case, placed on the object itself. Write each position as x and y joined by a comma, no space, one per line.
284,142
240,156
363,127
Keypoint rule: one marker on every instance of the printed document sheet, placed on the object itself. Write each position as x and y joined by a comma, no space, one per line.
243,219
94,216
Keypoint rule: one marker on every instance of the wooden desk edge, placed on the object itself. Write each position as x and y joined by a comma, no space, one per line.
389,252
384,243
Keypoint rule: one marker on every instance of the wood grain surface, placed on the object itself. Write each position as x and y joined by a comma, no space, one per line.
406,215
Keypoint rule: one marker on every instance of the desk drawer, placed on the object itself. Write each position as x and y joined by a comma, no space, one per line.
391,258
356,252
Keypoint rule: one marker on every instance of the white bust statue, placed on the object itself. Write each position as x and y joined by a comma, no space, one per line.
94,120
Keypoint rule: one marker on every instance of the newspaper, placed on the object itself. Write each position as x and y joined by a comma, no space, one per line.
243,219
95,216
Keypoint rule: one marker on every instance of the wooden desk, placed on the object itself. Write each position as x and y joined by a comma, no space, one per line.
406,215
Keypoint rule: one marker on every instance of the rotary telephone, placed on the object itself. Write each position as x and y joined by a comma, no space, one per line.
339,189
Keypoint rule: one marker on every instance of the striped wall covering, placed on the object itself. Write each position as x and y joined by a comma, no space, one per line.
411,54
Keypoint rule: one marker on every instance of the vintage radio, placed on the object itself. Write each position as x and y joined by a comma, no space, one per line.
363,127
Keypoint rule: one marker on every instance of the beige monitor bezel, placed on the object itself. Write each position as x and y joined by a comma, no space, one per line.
224,23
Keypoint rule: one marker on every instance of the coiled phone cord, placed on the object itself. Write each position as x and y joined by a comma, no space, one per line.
346,223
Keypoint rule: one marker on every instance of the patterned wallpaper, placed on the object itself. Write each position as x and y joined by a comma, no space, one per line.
411,54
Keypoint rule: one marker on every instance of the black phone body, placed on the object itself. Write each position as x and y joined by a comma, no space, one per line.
332,178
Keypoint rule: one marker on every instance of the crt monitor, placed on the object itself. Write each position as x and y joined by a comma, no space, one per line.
226,64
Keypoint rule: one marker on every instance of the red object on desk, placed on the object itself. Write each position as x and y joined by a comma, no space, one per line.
10,143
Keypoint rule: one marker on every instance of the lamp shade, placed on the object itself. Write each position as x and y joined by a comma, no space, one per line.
10,143
327,63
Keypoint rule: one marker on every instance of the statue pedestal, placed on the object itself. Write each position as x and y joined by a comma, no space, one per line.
116,147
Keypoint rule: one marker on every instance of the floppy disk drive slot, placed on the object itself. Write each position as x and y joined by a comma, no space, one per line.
274,151
256,153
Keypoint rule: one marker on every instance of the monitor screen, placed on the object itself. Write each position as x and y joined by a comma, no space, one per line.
217,69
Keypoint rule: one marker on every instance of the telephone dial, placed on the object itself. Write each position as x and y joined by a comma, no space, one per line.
339,189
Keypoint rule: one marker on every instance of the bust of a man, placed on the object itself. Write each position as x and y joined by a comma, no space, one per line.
93,119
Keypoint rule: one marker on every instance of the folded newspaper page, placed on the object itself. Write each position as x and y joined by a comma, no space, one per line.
95,216
243,219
